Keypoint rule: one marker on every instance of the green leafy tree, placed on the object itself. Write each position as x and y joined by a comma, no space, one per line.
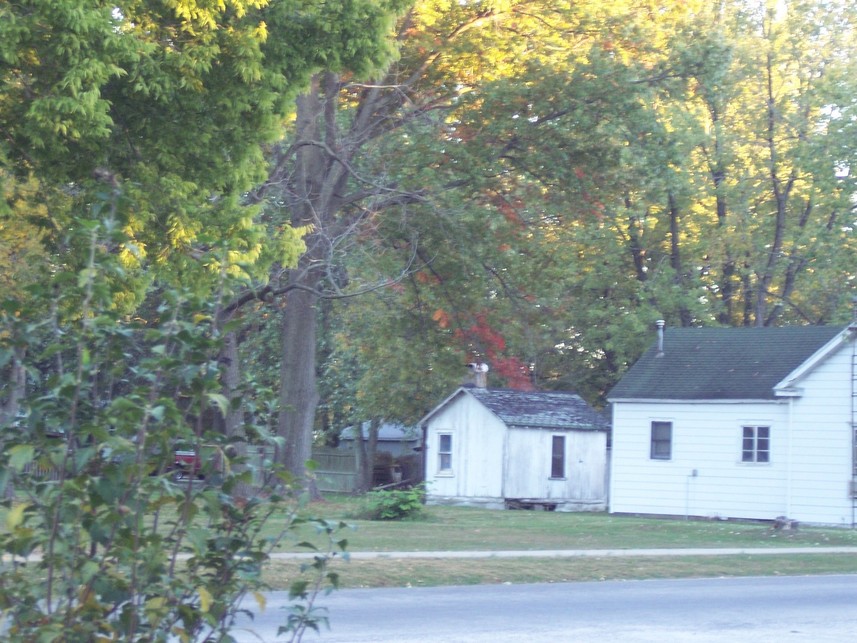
104,542
576,191
130,134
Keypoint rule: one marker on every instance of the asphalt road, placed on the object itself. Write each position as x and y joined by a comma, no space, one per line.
814,609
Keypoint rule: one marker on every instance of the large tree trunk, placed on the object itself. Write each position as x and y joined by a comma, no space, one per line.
366,452
233,422
16,386
675,256
311,177
298,393
364,479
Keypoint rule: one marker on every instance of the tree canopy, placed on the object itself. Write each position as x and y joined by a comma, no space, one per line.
131,134
528,183
568,173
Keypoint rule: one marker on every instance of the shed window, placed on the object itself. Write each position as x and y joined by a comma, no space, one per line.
444,452
756,444
558,456
662,440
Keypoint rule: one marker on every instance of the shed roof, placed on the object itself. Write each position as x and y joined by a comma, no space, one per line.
721,363
535,409
388,431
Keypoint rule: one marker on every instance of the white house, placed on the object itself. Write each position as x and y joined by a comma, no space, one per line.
501,448
754,423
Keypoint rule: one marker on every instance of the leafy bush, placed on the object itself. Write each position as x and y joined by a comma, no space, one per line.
395,504
99,541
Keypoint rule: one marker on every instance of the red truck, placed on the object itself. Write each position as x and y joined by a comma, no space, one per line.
186,463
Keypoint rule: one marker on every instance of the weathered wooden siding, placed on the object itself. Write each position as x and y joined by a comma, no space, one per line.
528,467
492,463
477,458
807,478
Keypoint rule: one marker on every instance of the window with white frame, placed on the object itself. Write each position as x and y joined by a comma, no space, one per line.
444,453
662,441
755,444
558,456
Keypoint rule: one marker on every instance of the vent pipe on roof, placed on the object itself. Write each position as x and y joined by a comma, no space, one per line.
660,324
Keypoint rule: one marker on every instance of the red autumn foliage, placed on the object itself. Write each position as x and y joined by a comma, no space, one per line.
491,345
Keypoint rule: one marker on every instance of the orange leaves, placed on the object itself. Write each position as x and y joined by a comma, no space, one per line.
426,278
510,213
441,317
510,207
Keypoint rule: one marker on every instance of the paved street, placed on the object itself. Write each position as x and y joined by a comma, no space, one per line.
819,609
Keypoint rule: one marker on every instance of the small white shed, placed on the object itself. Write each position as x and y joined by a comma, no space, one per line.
502,449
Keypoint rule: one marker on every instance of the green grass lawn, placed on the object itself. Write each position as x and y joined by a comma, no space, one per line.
462,528
431,572
465,528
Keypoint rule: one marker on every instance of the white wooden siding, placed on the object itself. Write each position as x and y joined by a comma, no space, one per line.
528,466
492,463
478,444
807,478
705,475
821,421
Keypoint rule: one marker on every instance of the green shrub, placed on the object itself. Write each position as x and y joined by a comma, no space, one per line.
98,540
395,504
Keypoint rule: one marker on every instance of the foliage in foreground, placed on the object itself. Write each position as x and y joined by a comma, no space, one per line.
101,540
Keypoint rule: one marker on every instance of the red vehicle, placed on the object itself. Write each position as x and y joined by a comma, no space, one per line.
186,464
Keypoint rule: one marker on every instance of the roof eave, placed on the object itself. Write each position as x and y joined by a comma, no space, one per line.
428,416
788,382
719,400
788,392
558,427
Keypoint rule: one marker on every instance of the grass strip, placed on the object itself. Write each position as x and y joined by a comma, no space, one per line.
434,572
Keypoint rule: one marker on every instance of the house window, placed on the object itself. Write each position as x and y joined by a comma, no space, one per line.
662,440
558,456
444,453
756,444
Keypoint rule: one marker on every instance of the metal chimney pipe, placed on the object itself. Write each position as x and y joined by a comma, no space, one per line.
660,324
482,375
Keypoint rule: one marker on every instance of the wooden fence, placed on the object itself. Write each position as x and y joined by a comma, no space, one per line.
337,469
336,472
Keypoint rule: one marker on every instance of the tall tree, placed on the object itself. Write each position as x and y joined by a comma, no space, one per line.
641,161
324,177
558,175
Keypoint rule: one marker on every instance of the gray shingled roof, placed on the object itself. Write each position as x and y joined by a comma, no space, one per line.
542,409
721,363
387,431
